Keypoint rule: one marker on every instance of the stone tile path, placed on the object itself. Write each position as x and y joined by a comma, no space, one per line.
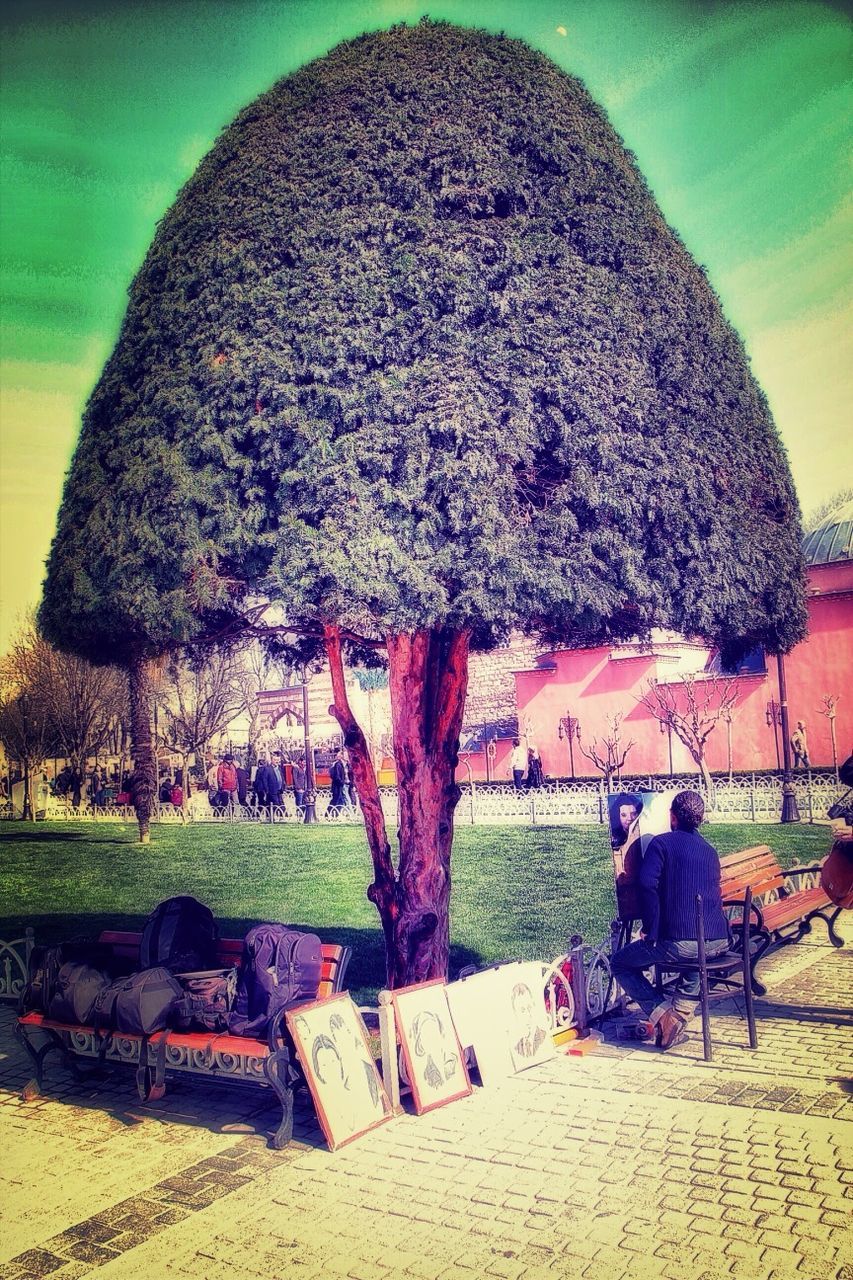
623,1163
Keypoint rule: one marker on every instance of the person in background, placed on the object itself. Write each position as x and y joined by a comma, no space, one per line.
676,867
518,763
274,782
800,746
226,781
534,769
176,795
338,776
242,784
259,781
297,773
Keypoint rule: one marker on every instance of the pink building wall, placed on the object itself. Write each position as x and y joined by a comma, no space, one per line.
591,684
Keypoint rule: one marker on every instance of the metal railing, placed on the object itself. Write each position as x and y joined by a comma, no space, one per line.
747,798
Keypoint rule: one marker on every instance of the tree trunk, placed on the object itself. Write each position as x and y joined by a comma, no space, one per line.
428,678
710,789
383,891
27,808
144,777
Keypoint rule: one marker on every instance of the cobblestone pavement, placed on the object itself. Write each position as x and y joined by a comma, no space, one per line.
622,1163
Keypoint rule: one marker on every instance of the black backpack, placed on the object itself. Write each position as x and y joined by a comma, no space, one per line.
280,967
77,988
180,934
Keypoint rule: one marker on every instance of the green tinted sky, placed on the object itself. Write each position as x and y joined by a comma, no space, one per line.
738,114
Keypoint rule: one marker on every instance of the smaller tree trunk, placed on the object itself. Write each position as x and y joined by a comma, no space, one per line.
710,789
144,777
383,891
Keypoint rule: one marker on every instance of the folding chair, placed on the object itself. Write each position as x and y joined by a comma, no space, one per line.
730,970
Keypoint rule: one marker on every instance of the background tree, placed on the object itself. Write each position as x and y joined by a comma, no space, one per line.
200,694
823,509
255,671
81,701
415,359
609,755
25,734
692,709
372,681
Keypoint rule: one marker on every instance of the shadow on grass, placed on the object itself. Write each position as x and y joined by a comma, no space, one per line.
365,975
26,835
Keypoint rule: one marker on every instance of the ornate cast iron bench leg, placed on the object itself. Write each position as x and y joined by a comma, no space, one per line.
52,1044
279,1073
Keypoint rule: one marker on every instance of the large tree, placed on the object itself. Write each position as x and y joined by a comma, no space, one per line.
415,357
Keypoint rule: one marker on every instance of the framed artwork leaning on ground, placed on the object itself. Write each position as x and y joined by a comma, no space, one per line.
331,1041
432,1055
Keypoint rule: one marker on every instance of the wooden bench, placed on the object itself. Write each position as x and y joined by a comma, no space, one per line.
788,915
214,1055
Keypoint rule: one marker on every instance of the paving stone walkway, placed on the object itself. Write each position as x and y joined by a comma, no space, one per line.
625,1163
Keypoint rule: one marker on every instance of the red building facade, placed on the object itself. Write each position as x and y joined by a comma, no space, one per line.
587,688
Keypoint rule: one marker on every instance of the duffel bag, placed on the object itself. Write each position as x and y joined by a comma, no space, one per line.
77,988
139,1005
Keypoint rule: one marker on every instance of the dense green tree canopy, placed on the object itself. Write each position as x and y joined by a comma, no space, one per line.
413,346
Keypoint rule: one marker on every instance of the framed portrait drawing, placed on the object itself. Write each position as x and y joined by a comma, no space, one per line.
432,1054
529,1035
331,1041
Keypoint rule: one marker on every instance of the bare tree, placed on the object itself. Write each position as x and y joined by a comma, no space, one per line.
829,708
609,755
79,702
692,709
199,696
372,681
256,670
25,733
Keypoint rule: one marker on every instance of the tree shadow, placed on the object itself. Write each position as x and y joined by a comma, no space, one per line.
29,836
365,976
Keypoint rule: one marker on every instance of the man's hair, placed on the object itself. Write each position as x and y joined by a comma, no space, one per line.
689,810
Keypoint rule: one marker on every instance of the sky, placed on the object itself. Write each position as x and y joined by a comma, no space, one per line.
738,114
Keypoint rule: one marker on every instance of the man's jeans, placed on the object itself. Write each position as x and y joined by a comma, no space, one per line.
629,962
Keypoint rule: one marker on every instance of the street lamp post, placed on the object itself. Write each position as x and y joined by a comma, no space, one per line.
569,727
309,800
772,715
790,812
666,727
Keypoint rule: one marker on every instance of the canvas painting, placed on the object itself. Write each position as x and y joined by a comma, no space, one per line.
635,817
474,1005
432,1055
331,1041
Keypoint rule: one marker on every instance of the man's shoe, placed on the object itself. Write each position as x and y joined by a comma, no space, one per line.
670,1030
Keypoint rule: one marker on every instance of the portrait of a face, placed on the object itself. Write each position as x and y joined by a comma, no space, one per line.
332,1046
432,1056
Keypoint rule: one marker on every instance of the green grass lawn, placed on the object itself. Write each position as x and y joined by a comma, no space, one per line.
518,892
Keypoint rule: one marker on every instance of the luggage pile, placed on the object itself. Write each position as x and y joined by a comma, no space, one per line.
177,986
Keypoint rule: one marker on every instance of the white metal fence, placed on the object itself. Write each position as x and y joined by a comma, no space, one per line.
750,798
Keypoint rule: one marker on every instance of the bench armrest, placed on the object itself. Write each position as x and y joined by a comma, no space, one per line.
801,871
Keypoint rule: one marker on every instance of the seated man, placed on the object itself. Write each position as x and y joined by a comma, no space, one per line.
676,866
